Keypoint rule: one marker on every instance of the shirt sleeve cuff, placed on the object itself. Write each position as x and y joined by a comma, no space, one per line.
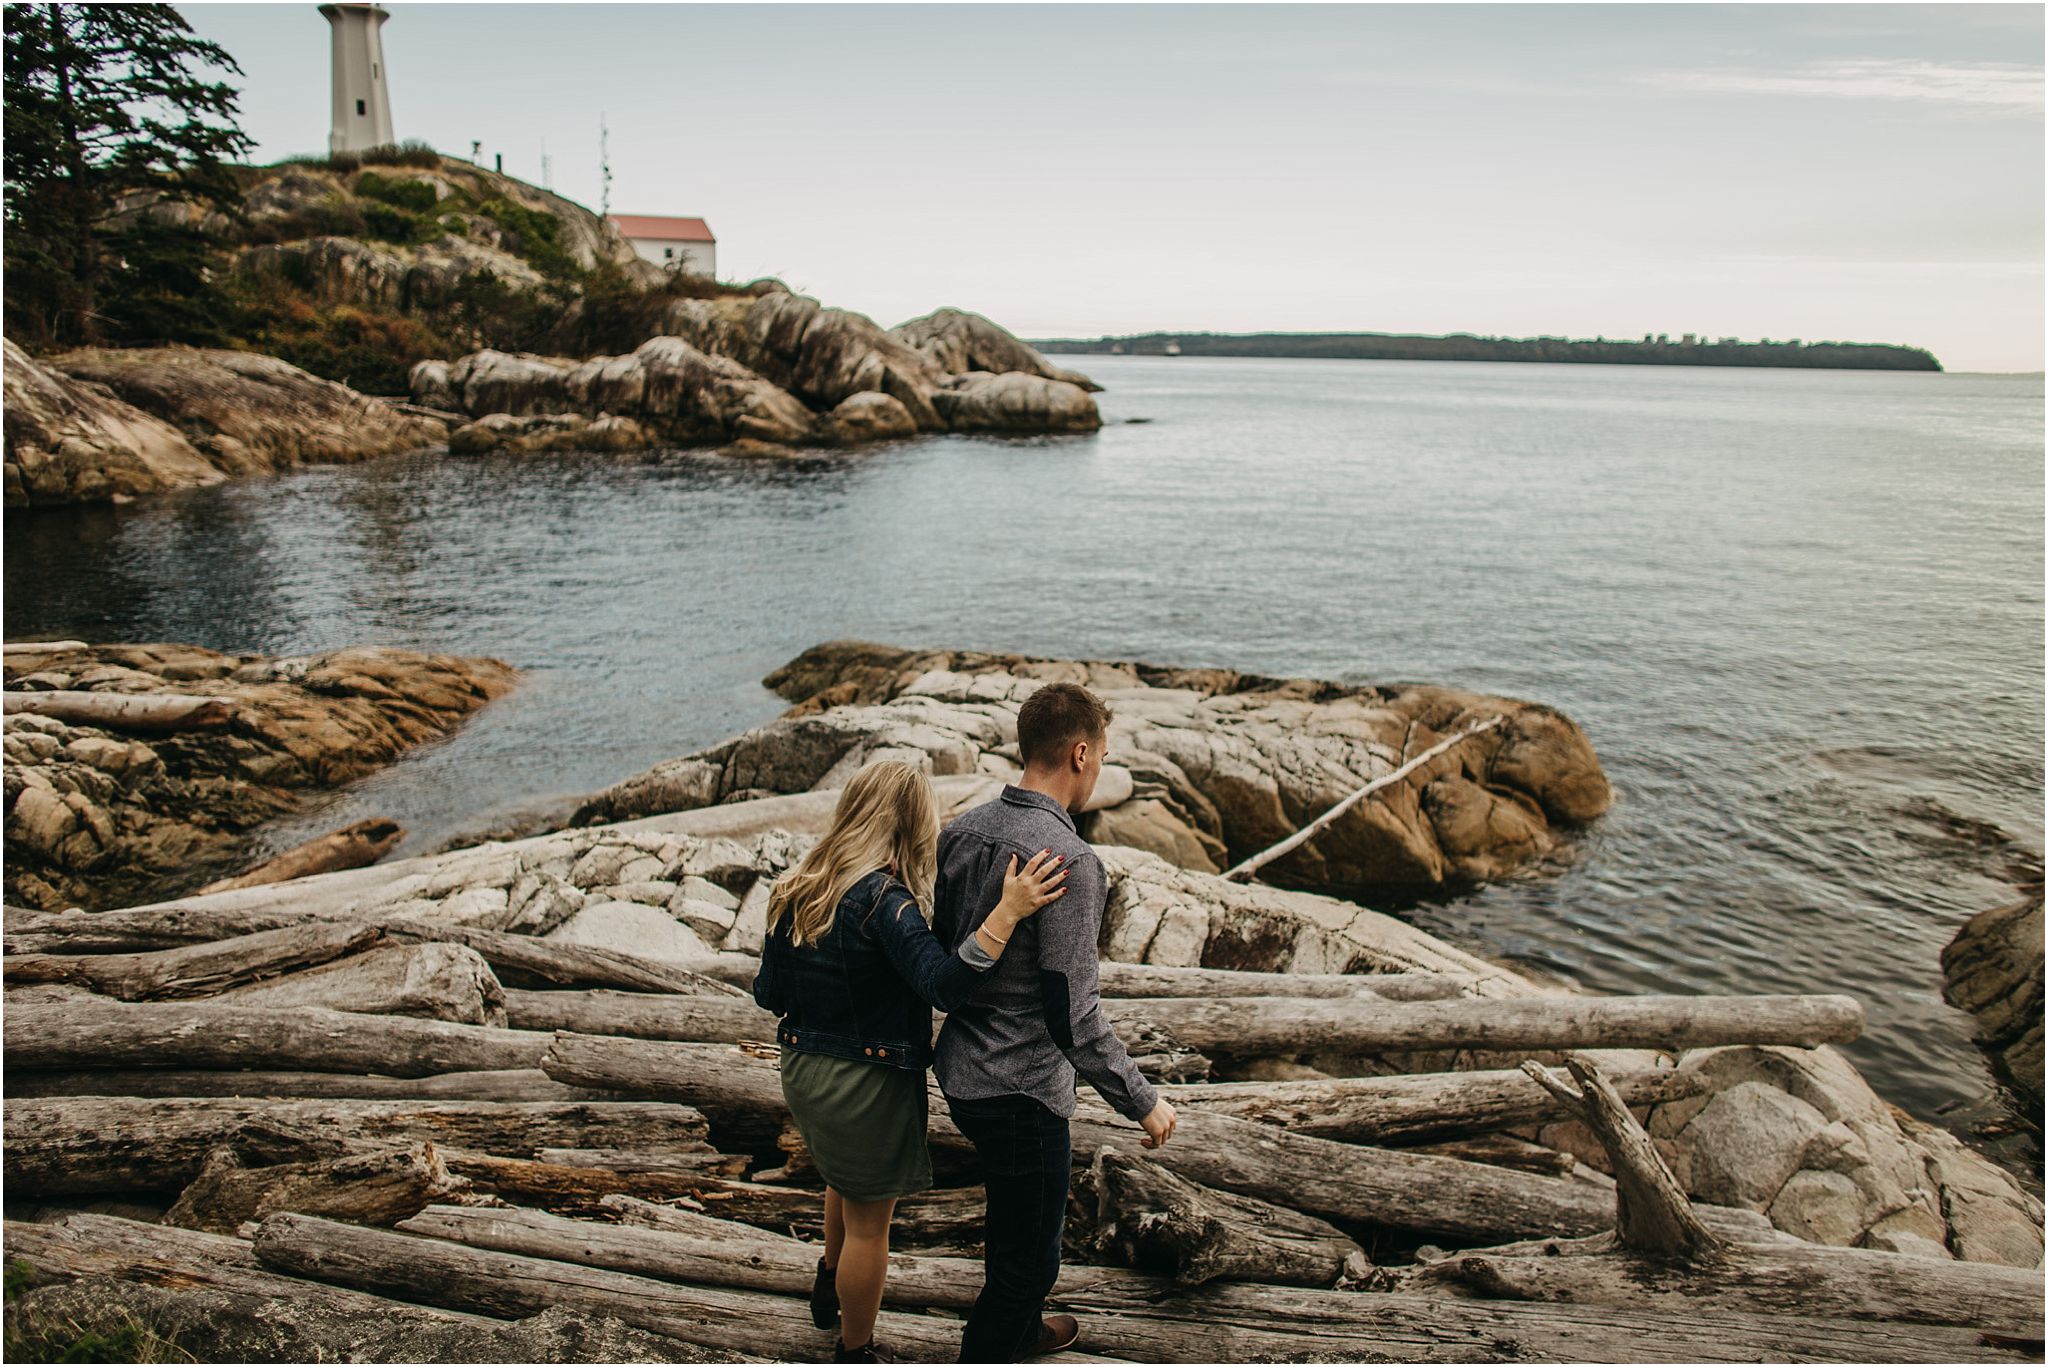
975,955
1143,1099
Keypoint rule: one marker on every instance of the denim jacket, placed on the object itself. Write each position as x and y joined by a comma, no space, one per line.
866,991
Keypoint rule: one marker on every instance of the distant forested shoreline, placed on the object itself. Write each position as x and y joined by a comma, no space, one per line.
1384,346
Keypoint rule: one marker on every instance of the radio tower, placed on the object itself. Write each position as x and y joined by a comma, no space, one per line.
604,166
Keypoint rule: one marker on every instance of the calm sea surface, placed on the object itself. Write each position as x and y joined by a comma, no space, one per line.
1799,613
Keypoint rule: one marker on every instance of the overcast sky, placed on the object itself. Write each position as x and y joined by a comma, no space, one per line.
1854,172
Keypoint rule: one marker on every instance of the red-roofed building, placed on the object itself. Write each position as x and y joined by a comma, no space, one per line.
683,244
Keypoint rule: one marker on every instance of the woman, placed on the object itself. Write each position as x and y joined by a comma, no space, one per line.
852,967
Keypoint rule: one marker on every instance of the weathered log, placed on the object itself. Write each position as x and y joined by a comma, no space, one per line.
196,970
1234,1322
172,924
435,981
577,1187
1336,1181
1153,980
1506,1151
1789,1278
1412,1107
218,1305
1243,872
946,1217
680,1245
25,648
736,1020
150,712
1652,1214
351,847
205,1324
85,1145
1147,1217
507,1285
380,1187
96,1033
516,1084
1278,1025
1143,1317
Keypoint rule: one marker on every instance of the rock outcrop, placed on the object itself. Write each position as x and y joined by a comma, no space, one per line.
1224,764
774,367
71,441
107,425
99,815
963,342
1798,1135
1992,970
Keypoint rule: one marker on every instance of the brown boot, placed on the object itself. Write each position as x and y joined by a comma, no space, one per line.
1056,1334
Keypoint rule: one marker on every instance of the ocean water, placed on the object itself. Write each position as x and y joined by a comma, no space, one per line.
1799,613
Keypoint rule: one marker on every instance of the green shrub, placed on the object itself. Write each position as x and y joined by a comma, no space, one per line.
411,152
532,234
414,196
388,223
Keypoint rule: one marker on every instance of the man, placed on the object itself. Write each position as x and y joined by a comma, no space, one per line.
1007,1061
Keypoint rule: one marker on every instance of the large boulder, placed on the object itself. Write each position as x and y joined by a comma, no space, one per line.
1992,969
97,817
1014,402
108,425
963,342
70,441
1227,765
1798,1136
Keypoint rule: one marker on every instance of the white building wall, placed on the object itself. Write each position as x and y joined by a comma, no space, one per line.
696,258
362,99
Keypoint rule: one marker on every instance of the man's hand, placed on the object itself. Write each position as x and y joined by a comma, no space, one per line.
1159,1124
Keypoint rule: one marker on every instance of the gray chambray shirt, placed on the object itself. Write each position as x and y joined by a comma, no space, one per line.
1038,1020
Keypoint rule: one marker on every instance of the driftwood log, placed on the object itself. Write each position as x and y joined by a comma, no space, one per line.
944,1217
1336,1181
380,1187
1218,1322
195,970
209,1294
435,981
1408,1108
515,1084
150,712
351,847
92,1032
1147,1217
508,1285
1282,1025
98,1145
1153,980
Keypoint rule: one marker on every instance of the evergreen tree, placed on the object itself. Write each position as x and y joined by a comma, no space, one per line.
110,109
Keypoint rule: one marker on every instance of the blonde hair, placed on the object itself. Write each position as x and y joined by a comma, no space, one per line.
886,817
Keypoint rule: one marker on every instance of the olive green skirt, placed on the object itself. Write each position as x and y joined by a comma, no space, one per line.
864,1123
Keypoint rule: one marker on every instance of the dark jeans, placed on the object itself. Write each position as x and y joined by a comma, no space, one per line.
1026,1154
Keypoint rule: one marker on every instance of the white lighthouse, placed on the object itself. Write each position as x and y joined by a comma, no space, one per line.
362,100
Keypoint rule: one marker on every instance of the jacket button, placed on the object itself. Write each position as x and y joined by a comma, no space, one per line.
869,1052
883,1054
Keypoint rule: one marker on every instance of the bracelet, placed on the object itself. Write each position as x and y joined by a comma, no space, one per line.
983,929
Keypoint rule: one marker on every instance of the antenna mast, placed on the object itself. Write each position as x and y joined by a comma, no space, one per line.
604,166
547,174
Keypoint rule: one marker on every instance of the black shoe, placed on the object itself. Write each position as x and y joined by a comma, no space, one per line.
825,1300
1056,1334
870,1351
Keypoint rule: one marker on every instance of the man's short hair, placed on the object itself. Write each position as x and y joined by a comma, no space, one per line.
1054,718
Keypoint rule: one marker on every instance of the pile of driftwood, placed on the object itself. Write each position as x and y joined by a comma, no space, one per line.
338,1127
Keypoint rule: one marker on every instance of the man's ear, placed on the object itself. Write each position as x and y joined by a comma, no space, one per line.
1078,756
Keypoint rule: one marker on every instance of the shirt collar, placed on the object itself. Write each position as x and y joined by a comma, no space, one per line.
1025,797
